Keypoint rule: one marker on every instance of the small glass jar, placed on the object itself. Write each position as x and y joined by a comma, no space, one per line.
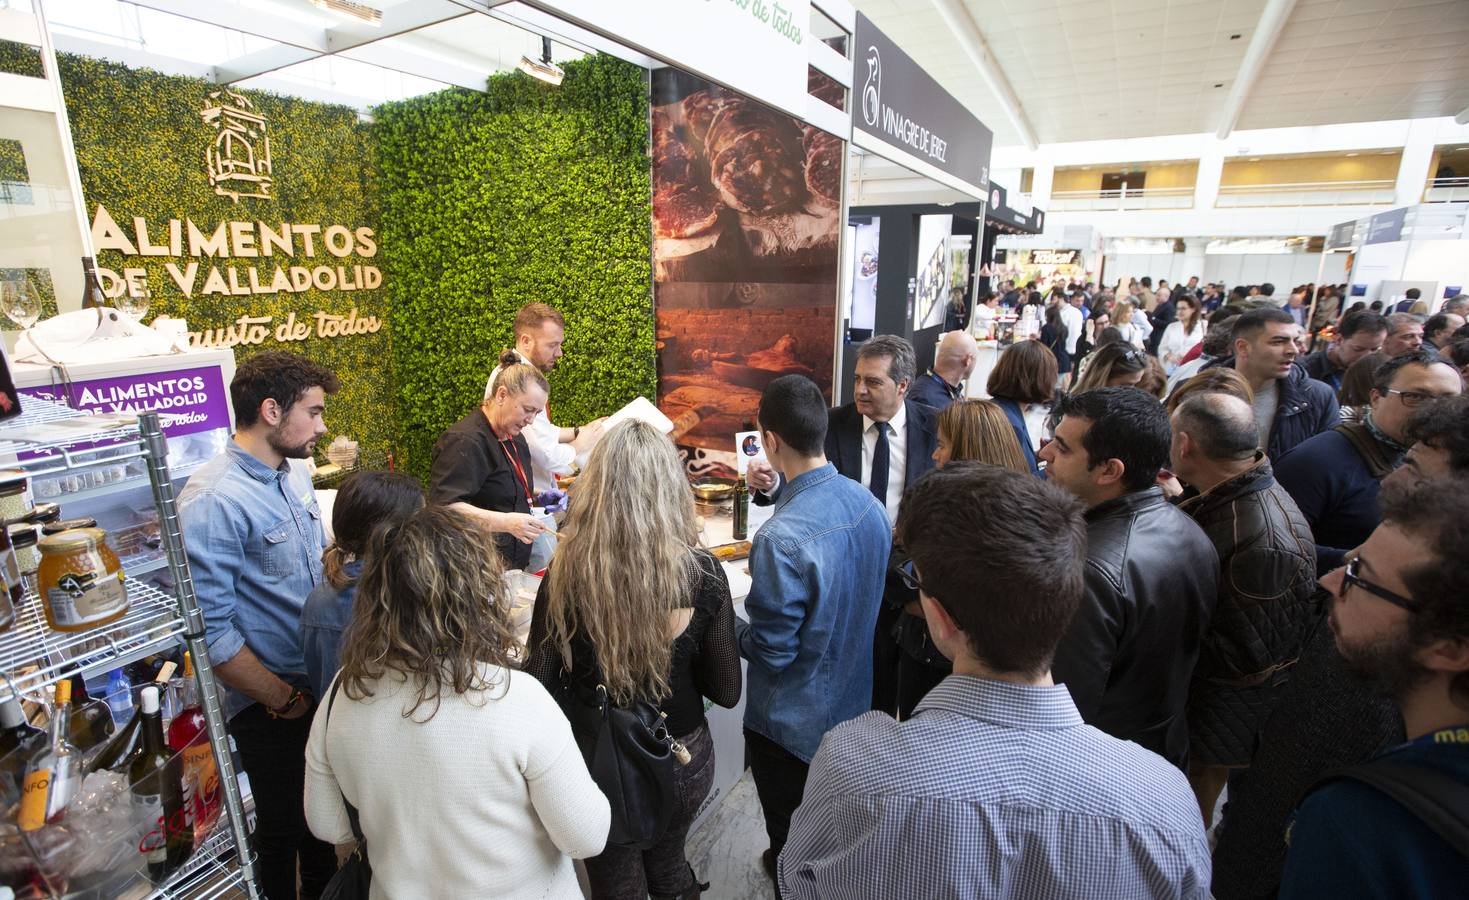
15,500
80,580
25,538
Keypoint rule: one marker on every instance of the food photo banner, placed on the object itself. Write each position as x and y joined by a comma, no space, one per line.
746,223
900,113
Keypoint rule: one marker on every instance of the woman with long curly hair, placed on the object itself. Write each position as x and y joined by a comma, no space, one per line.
464,773
632,604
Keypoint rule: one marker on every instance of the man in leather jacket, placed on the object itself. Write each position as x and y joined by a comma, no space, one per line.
1267,563
1151,573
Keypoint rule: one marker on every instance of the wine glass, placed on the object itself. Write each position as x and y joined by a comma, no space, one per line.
20,301
136,304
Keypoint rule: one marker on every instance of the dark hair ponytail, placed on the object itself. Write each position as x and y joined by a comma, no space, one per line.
367,502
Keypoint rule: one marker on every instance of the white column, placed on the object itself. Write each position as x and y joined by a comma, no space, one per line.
1041,177
1211,167
1193,259
1413,170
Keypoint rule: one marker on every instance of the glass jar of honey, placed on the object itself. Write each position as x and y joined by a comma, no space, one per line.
81,581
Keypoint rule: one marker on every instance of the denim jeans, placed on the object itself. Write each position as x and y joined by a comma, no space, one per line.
274,755
662,870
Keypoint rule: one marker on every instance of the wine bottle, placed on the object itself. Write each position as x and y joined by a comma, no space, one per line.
156,781
91,720
17,741
118,753
55,772
741,527
92,295
188,736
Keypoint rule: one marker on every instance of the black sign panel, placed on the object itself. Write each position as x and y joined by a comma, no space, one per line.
998,209
1341,235
899,104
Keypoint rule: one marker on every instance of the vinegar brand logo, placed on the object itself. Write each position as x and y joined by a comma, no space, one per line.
238,162
872,88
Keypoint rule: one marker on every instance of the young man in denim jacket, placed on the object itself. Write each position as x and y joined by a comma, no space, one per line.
254,537
818,568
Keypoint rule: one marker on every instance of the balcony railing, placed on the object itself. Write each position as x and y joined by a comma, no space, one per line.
1329,193
1125,198
1447,190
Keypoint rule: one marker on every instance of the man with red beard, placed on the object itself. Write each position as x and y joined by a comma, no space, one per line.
1393,827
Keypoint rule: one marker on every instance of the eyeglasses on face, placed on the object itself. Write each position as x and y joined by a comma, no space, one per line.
909,575
1352,577
1412,398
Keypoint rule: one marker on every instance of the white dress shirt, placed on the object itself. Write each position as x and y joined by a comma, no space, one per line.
548,456
897,457
1071,317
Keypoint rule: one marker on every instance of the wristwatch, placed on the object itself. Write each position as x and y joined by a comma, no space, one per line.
278,711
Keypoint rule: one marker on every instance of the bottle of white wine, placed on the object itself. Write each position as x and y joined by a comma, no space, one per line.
156,779
17,741
92,295
55,772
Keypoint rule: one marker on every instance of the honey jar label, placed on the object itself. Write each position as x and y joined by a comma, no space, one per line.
79,599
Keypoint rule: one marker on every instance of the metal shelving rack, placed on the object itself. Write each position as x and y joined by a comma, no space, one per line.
49,438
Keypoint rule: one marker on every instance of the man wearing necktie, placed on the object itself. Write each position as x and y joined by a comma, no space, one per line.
884,440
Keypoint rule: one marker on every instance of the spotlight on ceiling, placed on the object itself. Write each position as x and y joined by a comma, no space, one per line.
542,68
363,13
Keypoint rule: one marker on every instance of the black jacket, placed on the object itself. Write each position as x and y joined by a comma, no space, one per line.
1267,578
931,390
1151,577
1305,407
844,443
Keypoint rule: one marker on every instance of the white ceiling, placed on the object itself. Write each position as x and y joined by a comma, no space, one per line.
1111,69
1365,60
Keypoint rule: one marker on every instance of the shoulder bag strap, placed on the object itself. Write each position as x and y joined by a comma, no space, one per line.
1438,801
352,818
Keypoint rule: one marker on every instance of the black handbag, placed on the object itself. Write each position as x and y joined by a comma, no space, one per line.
632,758
353,880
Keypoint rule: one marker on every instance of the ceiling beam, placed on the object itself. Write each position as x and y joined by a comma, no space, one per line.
971,39
1262,42
295,48
239,18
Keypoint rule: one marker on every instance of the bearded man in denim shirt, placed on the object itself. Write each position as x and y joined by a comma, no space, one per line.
254,538
818,568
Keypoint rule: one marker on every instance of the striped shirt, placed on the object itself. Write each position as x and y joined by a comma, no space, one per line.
991,790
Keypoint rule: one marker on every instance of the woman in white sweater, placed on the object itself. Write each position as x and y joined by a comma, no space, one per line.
1182,333
464,771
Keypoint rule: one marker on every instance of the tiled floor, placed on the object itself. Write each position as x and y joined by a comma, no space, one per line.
726,850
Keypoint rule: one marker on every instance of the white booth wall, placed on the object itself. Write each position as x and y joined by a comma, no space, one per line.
1284,270
1432,262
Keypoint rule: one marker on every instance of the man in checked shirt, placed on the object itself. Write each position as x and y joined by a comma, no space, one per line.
995,787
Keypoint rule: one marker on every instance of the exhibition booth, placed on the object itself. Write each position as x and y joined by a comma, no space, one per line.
181,186
1424,247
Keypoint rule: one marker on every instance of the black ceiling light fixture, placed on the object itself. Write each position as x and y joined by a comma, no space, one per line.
542,68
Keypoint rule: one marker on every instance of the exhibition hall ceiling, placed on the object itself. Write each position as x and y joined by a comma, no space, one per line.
1086,70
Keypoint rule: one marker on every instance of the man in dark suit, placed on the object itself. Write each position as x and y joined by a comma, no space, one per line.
883,440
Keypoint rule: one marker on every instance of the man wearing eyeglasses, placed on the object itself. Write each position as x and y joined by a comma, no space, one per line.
995,787
1334,477
1386,828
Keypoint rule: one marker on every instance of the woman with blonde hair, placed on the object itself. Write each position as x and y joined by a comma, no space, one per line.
1132,323
967,430
1118,364
978,430
462,772
482,465
632,604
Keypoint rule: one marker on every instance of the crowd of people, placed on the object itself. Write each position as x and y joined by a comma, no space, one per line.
1087,637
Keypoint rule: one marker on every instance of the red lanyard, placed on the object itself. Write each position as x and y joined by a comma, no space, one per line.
508,446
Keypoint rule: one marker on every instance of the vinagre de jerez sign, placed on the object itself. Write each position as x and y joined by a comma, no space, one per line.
902,114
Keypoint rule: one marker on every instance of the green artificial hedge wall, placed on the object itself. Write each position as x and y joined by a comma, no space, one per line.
140,147
523,193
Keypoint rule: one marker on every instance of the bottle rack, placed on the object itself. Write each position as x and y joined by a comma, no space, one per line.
49,438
